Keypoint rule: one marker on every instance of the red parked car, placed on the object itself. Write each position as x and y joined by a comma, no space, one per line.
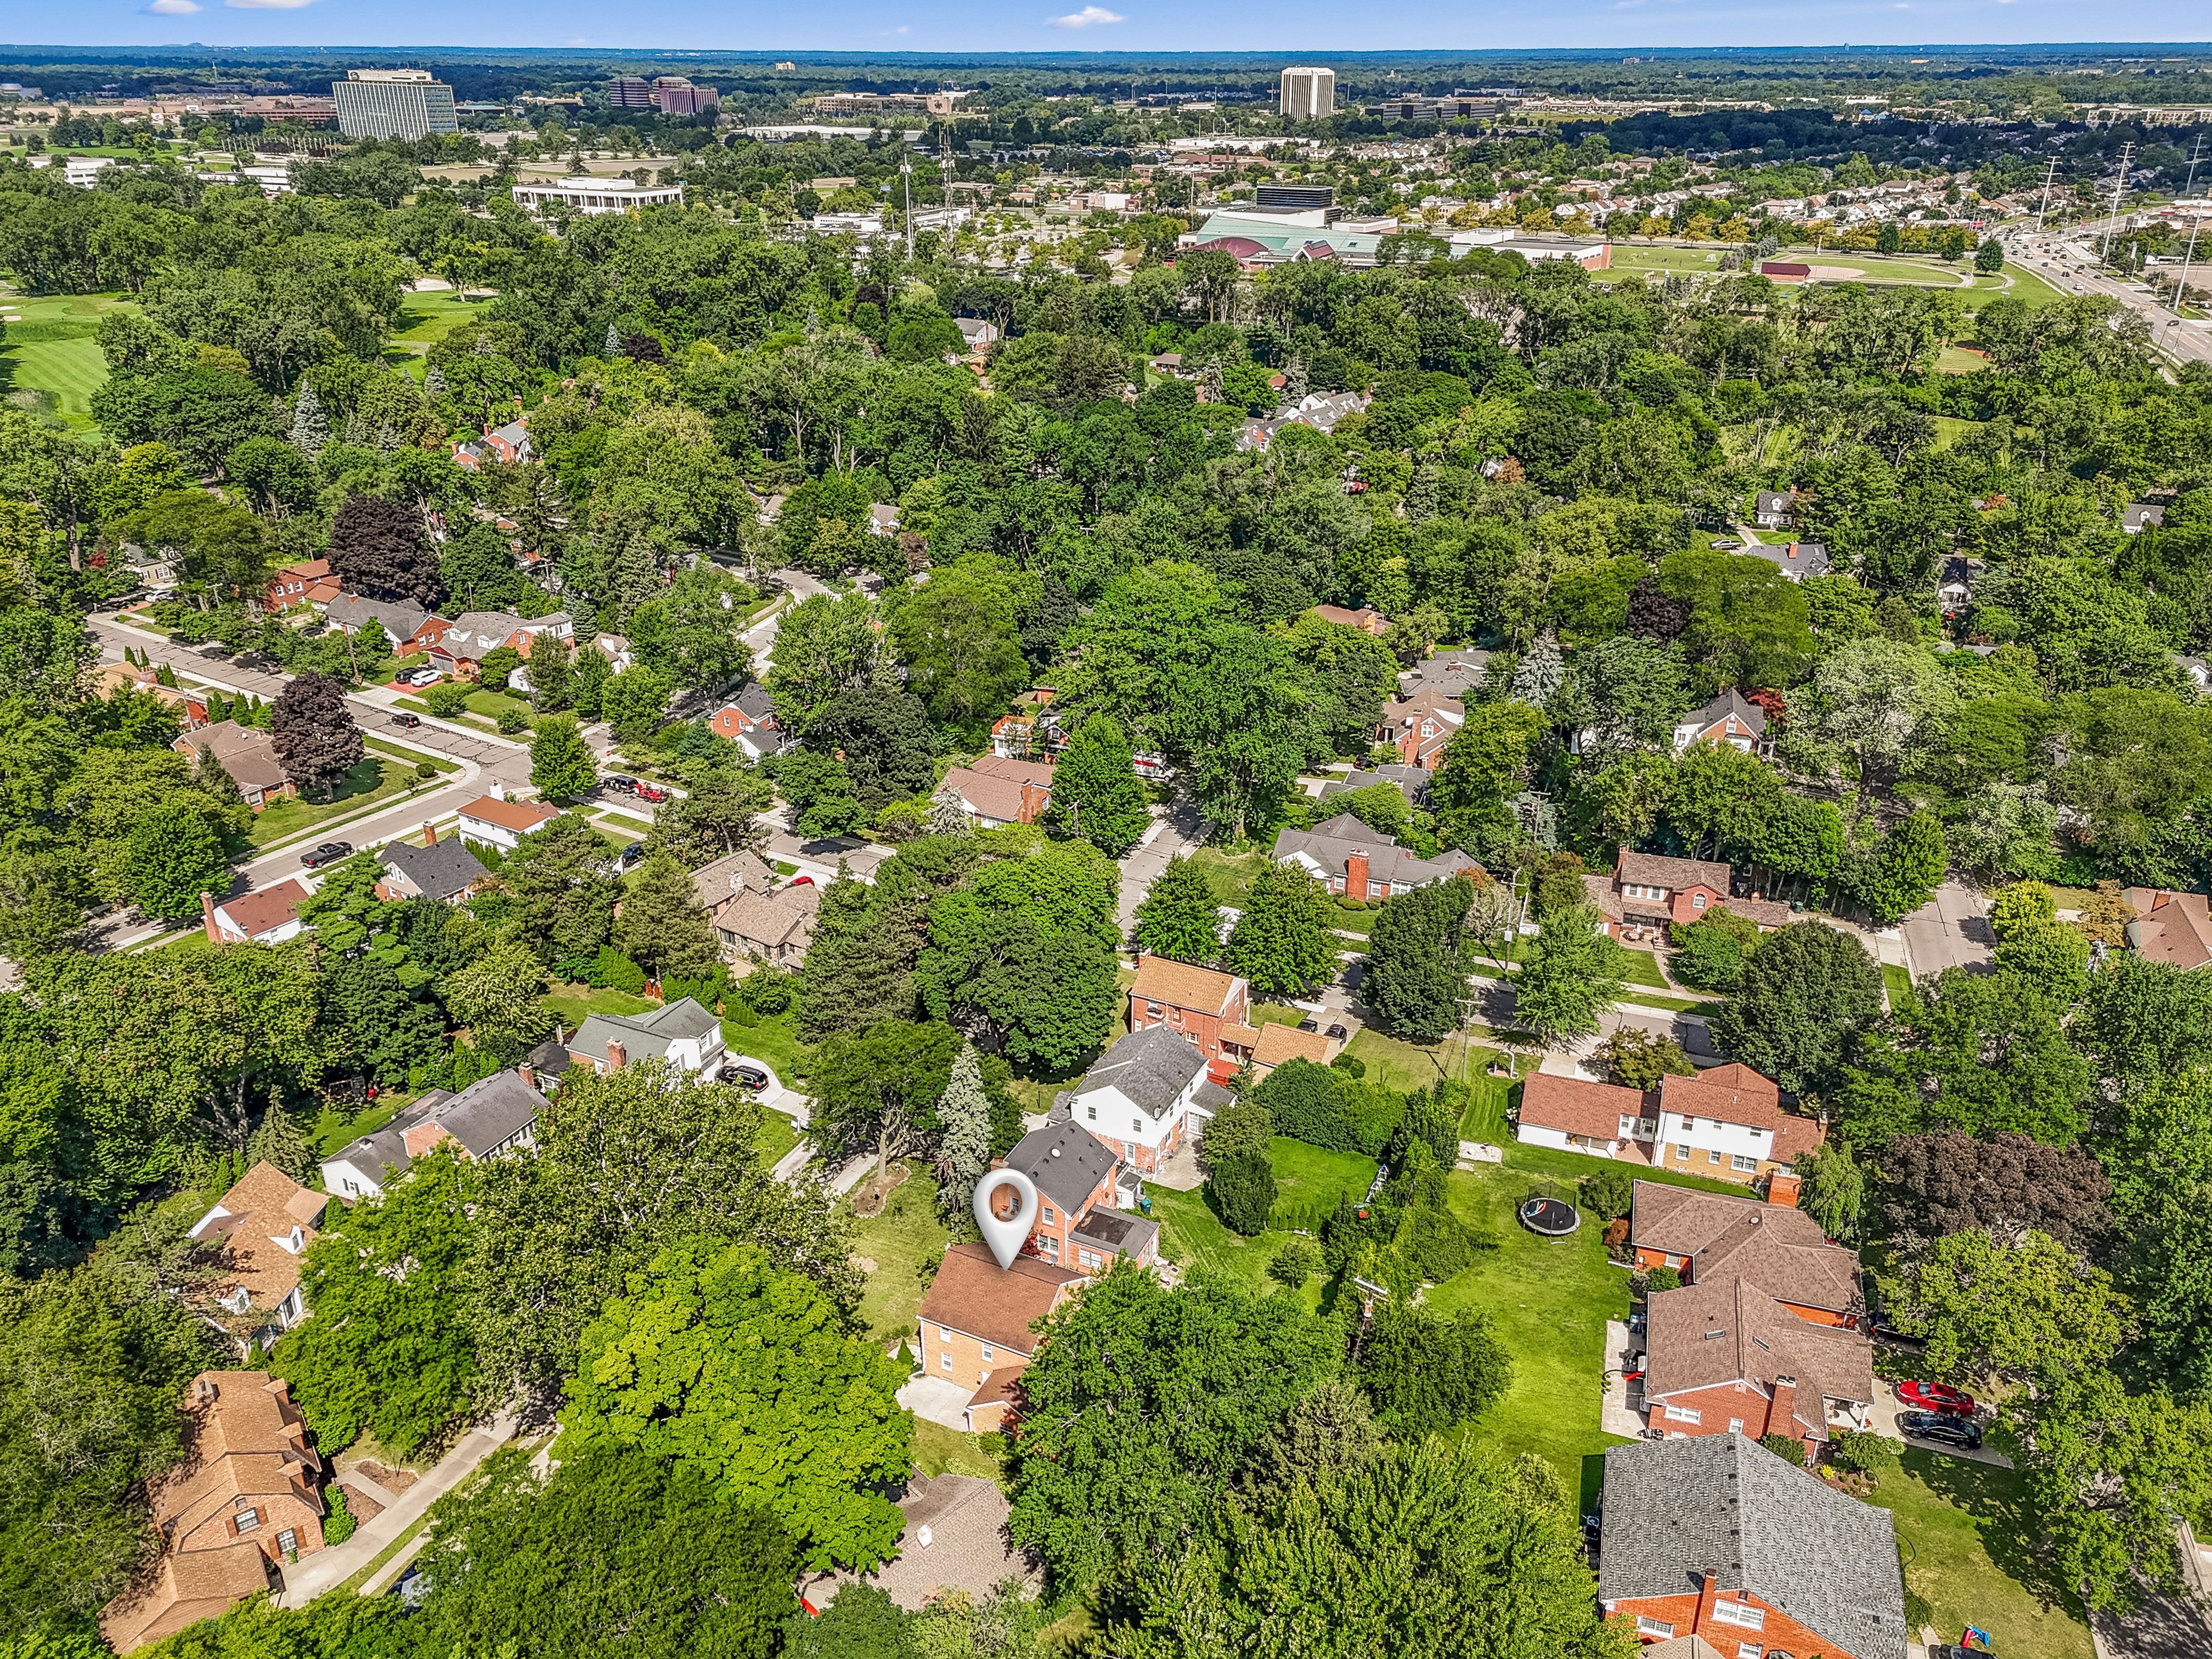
648,792
1937,1397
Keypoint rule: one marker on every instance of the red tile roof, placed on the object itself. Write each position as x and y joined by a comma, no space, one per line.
972,1294
520,815
1732,1094
1576,1106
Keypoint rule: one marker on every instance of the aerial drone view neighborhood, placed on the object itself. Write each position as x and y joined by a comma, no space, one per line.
1103,837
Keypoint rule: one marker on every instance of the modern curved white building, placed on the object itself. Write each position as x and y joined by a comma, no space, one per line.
598,195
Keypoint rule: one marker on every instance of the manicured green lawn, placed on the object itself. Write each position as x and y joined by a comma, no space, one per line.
901,1241
1228,874
336,1130
778,1135
1310,1180
371,781
775,1042
50,349
577,1003
412,757
940,1450
1967,1538
1642,968
1408,1065
1897,982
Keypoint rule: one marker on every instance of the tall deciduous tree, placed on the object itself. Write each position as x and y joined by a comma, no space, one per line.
1804,993
561,765
317,741
1425,1373
1571,975
2032,1312
724,1362
380,547
1284,942
1949,1182
1178,917
661,924
824,646
495,998
1096,792
1418,960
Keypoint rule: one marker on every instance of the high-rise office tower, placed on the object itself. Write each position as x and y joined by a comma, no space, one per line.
400,103
1308,93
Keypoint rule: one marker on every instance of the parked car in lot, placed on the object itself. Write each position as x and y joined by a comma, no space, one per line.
419,678
617,780
1308,1023
407,720
1337,1034
329,853
1933,1426
1937,1397
745,1073
650,792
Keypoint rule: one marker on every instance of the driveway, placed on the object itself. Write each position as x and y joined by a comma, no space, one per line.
1952,930
1883,1415
935,1401
1174,834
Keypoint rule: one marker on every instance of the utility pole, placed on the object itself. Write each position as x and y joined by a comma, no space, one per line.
2049,174
2190,188
2119,190
906,171
2182,287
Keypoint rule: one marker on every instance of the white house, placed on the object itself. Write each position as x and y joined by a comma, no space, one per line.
682,1032
1141,1097
1726,1123
493,1116
502,823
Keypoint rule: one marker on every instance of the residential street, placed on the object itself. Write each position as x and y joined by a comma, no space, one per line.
1172,835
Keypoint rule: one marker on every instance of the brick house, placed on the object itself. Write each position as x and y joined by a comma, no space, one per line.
1348,857
493,1117
997,791
754,918
243,1498
1707,1236
1719,1539
2175,928
265,1224
1731,718
248,754
974,1330
308,583
405,623
1212,1009
1726,1123
460,649
1725,1356
1418,726
1646,891
749,722
442,870
1079,1222
508,445
1142,1095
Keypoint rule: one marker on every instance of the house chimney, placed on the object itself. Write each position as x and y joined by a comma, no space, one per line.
1355,875
498,790
1782,1410
430,835
527,1074
207,916
1708,1593
615,1055
1782,1187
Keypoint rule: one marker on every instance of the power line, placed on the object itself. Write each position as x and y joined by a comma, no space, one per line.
2119,189
2049,174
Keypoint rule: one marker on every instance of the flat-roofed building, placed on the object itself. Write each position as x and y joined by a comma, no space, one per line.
393,103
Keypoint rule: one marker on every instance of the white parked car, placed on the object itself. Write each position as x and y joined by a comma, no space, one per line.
422,676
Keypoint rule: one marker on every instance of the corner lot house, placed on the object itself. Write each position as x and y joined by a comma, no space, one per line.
243,1499
475,635
1142,1095
265,1223
1726,1123
442,870
974,1330
684,1034
493,1116
998,791
749,722
1349,858
247,754
1646,891
502,823
1720,1539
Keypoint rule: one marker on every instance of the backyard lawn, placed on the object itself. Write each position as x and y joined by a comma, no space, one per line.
902,1243
371,781
1408,1065
940,1450
574,1003
1228,874
778,1135
1308,1181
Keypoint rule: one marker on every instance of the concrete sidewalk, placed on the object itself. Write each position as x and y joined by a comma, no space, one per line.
325,1570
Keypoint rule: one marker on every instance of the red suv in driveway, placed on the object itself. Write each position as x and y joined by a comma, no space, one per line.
1937,1397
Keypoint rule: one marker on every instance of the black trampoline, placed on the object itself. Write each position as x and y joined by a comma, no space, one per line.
1554,1217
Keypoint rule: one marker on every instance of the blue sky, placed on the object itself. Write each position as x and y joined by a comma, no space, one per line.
1298,27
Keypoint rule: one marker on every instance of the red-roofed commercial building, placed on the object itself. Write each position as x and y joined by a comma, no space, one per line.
1726,1123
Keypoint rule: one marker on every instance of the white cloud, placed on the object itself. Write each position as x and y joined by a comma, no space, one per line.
173,8
903,29
1088,17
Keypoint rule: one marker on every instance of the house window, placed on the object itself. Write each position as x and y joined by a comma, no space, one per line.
1046,1212
1749,1650
1093,1110
947,1357
1743,1162
1697,902
1658,1627
1735,1613
945,1333
1736,1425
1685,1414
1153,1009
1627,1127
988,1355
1087,1258
1714,1156
1136,1126
1682,1153
246,1520
289,1541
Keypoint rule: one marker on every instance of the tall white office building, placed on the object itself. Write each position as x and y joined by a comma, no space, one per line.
400,103
1308,93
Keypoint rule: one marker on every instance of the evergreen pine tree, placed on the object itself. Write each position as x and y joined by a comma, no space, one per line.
280,1140
311,429
1294,379
662,926
1209,381
947,816
1423,495
1541,672
633,578
612,347
1178,916
551,670
434,383
964,1152
1282,942
1095,791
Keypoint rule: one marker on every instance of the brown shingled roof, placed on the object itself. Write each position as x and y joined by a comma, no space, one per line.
1702,1336
1279,1042
971,1293
1576,1106
183,1590
1774,1244
264,1207
1731,1094
520,815
1160,979
247,1439
266,909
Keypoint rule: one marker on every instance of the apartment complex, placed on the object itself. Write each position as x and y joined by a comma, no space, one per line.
401,103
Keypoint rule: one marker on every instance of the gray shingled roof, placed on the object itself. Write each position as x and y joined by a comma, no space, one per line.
1152,1067
442,870
398,618
490,1112
1064,1160
1731,702
643,1036
1331,843
1676,1510
1117,1230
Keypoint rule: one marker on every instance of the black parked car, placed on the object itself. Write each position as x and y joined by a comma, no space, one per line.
1934,1425
329,853
630,855
1309,1025
407,720
744,1072
616,780
255,659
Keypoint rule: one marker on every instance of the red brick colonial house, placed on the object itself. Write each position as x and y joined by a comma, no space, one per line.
1720,1539
1731,718
1726,1357
1646,891
1077,1175
1212,1009
1419,727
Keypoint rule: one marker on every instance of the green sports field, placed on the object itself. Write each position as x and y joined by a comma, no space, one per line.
49,351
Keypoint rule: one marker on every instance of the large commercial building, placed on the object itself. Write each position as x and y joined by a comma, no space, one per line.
677,96
1308,93
629,92
404,103
594,197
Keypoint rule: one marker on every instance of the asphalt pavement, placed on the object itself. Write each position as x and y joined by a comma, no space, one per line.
1952,930
2065,261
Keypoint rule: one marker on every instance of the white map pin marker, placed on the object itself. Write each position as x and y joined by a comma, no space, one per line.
1005,1234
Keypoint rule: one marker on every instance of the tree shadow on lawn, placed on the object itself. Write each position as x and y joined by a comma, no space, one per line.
2011,1532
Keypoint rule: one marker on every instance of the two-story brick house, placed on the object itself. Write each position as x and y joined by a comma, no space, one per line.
1647,891
1724,1356
1708,1237
1419,725
1078,1177
1731,718
1146,1097
1348,857
265,1225
1213,1010
1722,1540
1727,1122
975,1329
243,1499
